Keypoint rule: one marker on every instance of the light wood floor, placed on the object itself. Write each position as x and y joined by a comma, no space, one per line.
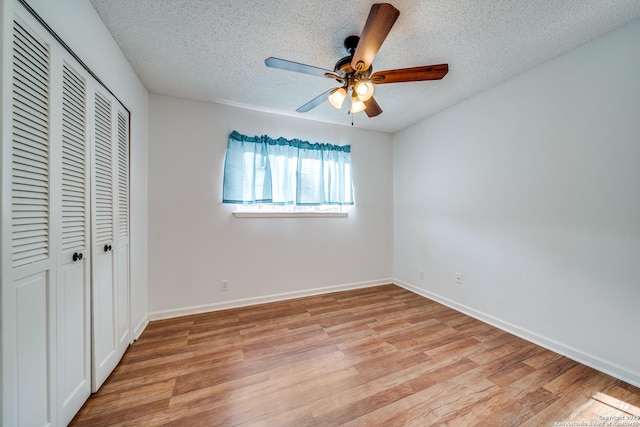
379,356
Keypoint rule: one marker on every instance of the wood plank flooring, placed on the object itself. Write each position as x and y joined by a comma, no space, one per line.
379,356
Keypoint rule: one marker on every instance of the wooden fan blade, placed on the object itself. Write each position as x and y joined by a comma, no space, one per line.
283,64
373,109
414,74
381,18
314,102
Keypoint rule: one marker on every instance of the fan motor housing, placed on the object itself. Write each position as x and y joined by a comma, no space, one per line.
343,66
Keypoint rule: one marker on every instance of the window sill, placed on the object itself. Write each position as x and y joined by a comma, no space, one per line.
290,214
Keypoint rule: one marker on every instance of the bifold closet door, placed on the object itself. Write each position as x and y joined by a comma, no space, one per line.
122,228
50,231
28,324
111,330
73,299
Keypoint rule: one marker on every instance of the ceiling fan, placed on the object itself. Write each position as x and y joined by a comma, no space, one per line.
355,72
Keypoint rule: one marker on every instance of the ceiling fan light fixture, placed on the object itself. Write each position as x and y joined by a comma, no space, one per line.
364,90
356,104
337,97
355,72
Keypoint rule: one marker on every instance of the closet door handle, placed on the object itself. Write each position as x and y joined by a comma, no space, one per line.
80,255
106,248
76,257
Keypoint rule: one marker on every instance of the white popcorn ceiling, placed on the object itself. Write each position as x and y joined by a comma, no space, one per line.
214,50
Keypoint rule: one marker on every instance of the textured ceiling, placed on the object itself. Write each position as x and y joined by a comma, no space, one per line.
214,50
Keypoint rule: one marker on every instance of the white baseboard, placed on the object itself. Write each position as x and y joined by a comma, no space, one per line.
186,311
572,353
140,327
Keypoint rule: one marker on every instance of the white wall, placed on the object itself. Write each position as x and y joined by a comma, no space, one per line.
80,27
195,242
531,191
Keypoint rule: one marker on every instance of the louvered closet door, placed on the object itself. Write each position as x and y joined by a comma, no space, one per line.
29,328
122,235
105,298
73,300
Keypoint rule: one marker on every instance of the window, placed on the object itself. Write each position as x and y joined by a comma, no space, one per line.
286,175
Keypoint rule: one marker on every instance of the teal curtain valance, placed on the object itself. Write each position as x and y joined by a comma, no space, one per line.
298,143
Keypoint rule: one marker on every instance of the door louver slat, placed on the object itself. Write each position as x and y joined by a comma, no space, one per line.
30,149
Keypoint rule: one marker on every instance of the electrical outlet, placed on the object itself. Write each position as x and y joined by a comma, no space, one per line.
224,286
459,278
421,274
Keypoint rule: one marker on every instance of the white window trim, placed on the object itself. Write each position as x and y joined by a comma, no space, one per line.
290,214
290,211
